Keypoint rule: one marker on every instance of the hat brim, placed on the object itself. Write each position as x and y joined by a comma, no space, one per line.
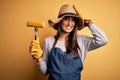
53,22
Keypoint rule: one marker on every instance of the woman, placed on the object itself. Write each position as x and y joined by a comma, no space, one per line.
64,53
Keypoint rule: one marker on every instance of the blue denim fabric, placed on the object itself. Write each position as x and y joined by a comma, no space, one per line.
62,66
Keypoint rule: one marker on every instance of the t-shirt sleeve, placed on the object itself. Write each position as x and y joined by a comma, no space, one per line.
99,38
43,63
87,43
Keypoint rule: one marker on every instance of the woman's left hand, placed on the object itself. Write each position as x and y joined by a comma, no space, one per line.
87,22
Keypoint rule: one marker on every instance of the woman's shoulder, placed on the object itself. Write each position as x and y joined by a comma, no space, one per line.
50,38
49,42
82,37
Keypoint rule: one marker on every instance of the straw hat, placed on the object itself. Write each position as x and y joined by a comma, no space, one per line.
66,10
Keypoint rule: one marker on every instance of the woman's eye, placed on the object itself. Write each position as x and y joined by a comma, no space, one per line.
65,18
73,19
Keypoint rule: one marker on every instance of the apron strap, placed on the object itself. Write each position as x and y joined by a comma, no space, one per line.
77,45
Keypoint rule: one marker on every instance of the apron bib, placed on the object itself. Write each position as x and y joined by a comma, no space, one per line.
62,66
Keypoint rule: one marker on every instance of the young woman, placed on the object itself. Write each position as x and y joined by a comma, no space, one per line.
64,53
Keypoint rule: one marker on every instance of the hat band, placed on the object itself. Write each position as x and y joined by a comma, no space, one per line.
72,14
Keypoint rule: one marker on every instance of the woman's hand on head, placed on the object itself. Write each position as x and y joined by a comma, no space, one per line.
87,22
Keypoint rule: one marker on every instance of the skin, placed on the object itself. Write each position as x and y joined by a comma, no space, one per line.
67,25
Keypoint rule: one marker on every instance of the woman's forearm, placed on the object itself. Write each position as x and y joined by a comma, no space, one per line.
42,66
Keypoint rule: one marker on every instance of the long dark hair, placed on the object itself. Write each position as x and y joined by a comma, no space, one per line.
71,43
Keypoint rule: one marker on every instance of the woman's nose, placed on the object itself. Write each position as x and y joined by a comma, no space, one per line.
69,22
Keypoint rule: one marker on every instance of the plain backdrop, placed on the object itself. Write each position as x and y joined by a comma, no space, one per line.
16,62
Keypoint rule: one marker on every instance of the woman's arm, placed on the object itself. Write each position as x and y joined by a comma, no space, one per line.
42,66
42,62
99,38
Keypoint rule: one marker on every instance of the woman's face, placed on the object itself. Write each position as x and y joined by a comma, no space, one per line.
68,24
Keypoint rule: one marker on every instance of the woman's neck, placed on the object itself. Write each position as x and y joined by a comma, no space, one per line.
63,37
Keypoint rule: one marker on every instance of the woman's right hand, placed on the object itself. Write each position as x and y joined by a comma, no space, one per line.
35,49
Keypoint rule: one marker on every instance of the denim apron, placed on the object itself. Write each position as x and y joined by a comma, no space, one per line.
62,66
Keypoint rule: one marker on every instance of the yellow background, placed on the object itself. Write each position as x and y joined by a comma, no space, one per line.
17,64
